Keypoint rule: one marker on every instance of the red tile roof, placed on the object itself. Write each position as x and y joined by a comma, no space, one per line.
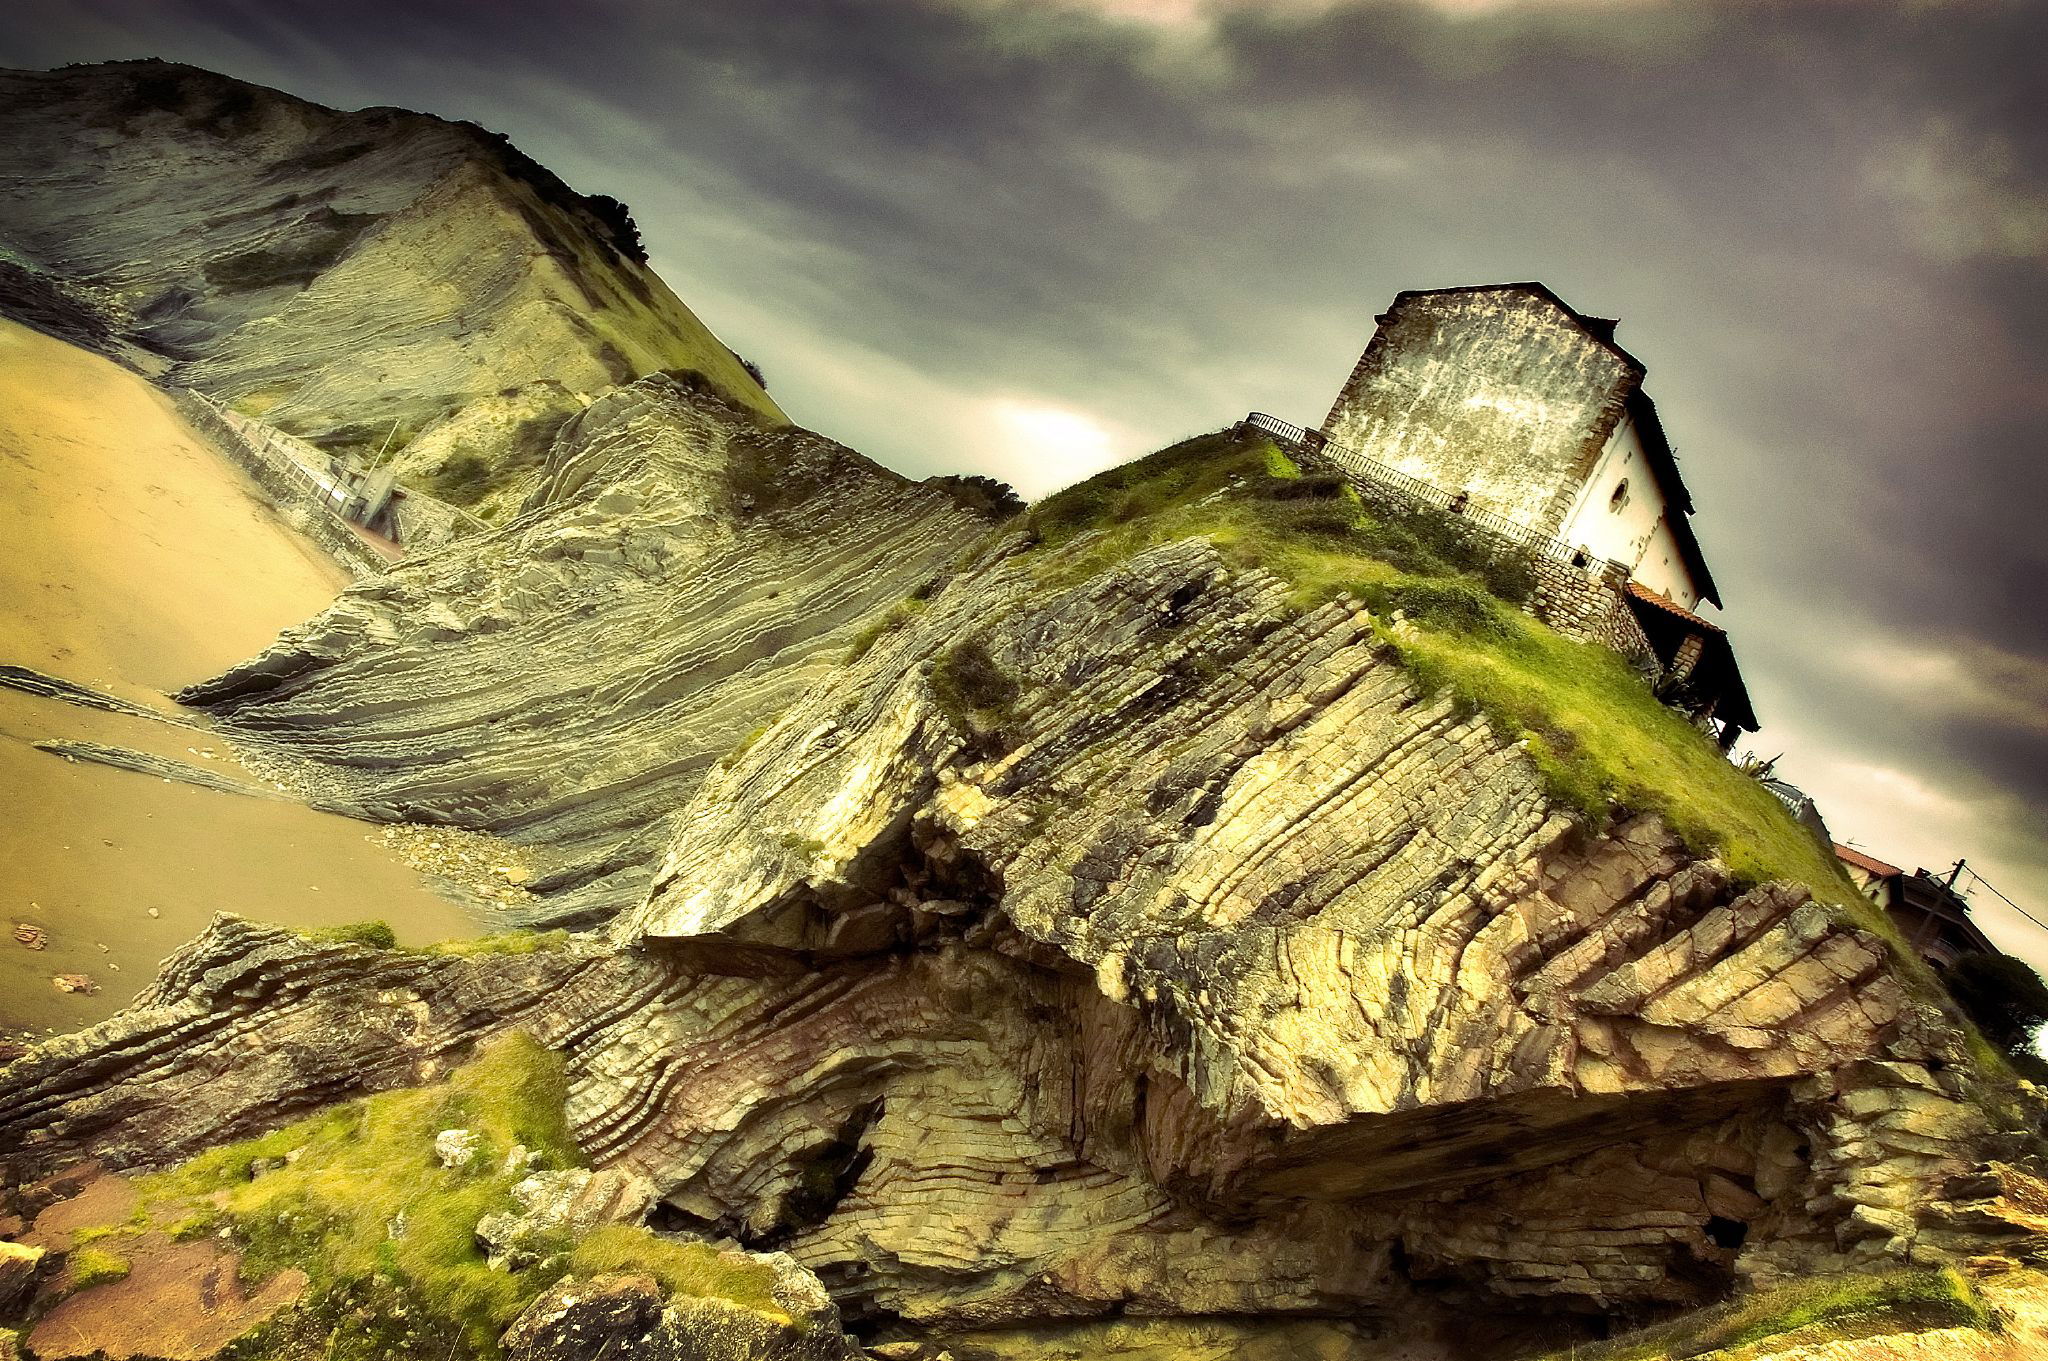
1861,861
1642,592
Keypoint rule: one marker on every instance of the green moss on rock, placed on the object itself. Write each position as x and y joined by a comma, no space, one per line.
1822,1309
358,1198
89,1266
1602,740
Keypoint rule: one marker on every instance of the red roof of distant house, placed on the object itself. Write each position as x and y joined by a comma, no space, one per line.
1865,862
1642,592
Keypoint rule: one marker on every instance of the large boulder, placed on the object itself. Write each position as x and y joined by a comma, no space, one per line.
628,1316
557,1206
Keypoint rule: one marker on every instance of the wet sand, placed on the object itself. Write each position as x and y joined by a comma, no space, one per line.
135,559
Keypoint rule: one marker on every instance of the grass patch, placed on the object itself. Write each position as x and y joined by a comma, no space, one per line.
357,1198
1823,1309
378,935
1602,741
90,1266
977,696
897,615
743,746
504,943
683,1268
970,686
1246,495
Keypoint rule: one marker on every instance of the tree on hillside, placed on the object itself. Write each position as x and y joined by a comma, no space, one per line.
2009,1003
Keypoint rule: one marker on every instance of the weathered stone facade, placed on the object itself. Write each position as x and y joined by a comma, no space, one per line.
1502,392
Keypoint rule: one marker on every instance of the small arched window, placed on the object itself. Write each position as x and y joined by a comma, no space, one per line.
1620,497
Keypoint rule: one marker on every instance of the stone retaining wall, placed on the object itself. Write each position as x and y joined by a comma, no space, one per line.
1589,603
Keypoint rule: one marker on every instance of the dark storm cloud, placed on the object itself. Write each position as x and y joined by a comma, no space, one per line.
948,229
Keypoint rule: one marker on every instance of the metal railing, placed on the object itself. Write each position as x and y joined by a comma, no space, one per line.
1381,478
297,459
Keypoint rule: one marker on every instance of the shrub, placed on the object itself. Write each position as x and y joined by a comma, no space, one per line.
968,681
464,479
1456,605
984,495
2009,1003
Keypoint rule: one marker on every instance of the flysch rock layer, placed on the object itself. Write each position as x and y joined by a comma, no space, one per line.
681,576
1060,942
351,275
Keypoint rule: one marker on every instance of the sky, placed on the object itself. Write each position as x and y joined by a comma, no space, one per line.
1033,238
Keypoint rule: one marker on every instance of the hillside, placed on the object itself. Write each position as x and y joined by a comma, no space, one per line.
1124,916
1200,916
353,277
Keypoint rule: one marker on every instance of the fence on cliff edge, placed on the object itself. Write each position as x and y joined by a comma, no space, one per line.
1352,463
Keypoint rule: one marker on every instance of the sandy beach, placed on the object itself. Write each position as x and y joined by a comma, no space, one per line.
136,561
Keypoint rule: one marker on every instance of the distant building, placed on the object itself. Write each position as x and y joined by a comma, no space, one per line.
1933,917
1504,392
1508,400
1797,802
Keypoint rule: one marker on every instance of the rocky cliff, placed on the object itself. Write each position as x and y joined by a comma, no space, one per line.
1083,918
1198,917
355,277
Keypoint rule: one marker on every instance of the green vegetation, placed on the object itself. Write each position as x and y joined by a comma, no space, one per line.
463,480
683,1268
90,1266
898,614
808,847
357,1198
367,444
982,495
970,686
378,935
1246,496
1822,1309
743,746
503,943
1600,737
2008,1002
467,478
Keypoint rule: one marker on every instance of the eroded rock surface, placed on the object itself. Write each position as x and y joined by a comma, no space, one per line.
680,577
337,273
629,1315
1018,939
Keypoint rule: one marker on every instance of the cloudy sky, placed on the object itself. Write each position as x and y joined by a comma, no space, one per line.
1035,237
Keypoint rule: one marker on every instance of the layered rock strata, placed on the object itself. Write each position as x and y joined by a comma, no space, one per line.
352,276
679,577
1066,939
